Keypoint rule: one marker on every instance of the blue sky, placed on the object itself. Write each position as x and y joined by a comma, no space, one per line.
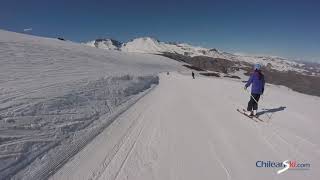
285,28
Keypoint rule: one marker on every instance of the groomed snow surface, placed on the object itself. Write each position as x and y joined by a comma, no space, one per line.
56,96
189,129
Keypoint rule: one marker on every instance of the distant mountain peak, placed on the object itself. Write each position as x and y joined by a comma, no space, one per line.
105,43
213,50
145,38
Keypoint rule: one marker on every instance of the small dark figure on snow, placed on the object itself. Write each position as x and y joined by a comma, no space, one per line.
257,81
167,73
192,74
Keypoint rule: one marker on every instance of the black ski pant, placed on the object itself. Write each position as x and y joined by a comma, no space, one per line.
252,104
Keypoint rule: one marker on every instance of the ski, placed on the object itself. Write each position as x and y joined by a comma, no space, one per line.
256,117
251,117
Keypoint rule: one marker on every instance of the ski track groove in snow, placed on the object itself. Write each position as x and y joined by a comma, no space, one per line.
220,162
117,147
129,153
275,129
275,133
296,150
138,125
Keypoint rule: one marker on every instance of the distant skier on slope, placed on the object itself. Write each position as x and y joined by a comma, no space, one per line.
192,74
257,89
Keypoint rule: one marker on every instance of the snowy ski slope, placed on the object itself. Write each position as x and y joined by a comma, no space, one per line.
55,96
190,129
60,107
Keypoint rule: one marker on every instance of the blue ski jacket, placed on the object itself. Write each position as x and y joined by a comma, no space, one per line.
257,81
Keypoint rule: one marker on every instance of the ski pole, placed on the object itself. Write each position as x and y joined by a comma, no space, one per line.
255,101
252,96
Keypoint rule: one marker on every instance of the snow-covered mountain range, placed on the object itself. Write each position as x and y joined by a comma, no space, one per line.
109,44
153,46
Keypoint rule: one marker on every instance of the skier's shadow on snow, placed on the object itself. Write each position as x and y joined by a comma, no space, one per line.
265,111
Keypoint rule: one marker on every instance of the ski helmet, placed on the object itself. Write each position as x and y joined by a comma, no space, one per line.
257,67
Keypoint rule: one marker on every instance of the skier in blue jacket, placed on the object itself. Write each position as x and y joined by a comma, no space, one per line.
257,81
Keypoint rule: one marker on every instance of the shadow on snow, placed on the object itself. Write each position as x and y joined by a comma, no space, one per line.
273,110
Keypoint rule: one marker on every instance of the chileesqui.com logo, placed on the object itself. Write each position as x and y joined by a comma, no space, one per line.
285,165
